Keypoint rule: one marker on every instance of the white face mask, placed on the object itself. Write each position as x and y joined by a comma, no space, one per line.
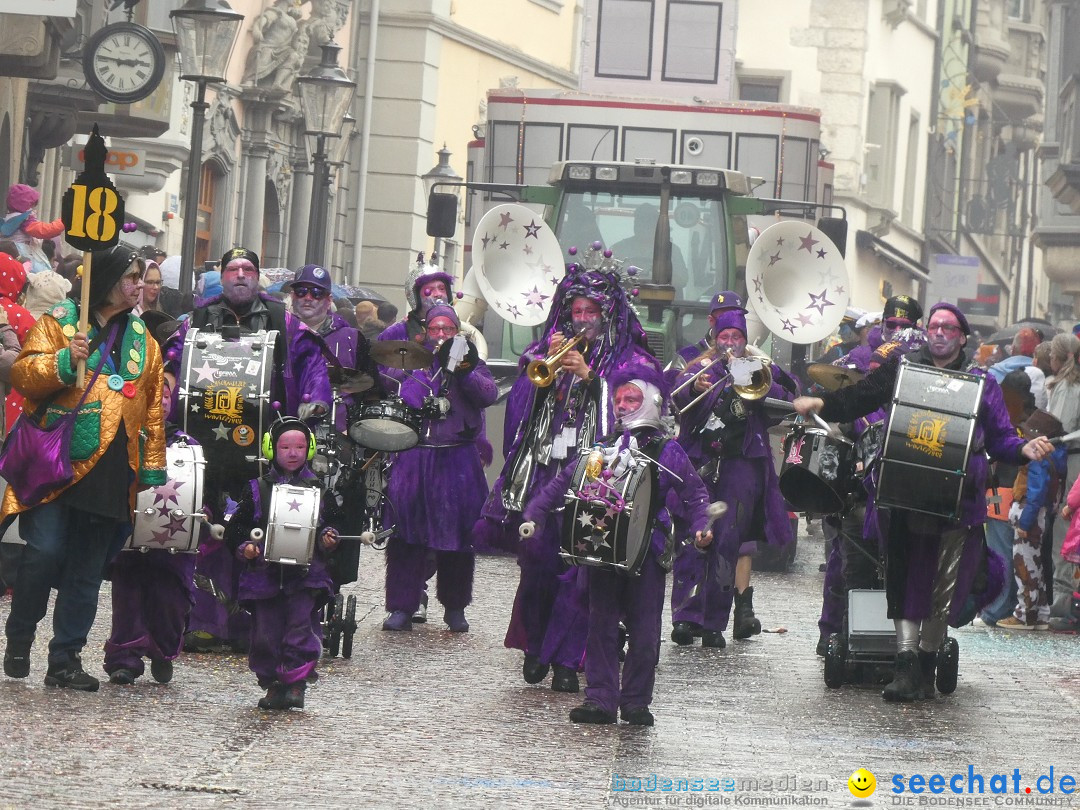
648,415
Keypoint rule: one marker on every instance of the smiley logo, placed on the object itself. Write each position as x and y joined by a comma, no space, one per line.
862,783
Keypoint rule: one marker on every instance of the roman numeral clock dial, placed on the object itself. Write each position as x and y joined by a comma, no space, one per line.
123,62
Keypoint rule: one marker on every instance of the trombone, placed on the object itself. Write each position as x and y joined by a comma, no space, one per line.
541,373
760,383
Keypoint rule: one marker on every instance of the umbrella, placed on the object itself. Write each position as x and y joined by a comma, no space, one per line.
1006,335
336,291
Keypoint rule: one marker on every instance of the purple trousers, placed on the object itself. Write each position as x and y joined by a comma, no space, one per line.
550,616
408,569
639,601
208,615
284,645
151,599
833,597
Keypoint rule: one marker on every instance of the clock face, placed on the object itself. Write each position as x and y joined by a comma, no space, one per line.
124,63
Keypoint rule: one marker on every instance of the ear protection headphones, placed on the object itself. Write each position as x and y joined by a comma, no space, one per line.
284,425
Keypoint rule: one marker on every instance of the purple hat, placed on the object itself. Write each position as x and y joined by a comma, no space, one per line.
726,300
445,311
628,372
312,275
21,197
730,319
960,317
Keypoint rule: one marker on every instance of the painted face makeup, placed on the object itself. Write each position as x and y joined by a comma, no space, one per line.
944,335
585,314
731,338
240,282
291,449
628,400
432,293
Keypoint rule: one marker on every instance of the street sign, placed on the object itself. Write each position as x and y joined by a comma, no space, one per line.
92,210
953,277
126,162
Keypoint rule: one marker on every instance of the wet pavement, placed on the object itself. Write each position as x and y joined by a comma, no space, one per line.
435,719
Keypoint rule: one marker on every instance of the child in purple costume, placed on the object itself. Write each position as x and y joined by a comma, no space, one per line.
152,595
285,646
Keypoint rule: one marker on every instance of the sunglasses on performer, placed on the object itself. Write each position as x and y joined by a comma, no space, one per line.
946,328
896,323
314,293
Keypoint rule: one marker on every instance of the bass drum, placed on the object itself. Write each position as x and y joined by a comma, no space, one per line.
818,470
609,527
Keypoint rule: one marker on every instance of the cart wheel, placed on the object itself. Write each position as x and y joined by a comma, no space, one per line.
948,665
835,661
333,643
348,628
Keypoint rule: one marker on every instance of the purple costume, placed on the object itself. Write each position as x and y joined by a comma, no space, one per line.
740,472
915,542
299,376
638,600
436,489
544,428
285,647
349,348
152,595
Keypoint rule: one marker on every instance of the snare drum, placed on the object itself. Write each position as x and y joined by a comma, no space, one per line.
818,470
163,515
225,395
294,521
390,425
610,527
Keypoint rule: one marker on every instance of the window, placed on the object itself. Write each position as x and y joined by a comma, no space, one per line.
759,90
1017,9
692,42
591,143
795,182
879,160
907,213
649,144
755,155
540,146
624,34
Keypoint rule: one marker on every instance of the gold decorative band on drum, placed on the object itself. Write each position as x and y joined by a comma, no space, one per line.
818,471
928,440
170,516
225,395
294,521
608,519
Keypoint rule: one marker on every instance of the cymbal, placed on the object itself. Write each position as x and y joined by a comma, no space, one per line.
403,354
833,378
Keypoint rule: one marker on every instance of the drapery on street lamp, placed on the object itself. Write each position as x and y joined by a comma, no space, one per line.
325,95
205,33
441,172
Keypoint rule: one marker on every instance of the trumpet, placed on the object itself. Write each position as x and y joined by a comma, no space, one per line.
541,373
760,383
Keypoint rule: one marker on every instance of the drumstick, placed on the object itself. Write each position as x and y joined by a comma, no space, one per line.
369,462
1068,437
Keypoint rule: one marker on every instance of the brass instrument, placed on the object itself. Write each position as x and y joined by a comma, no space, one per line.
541,373
760,383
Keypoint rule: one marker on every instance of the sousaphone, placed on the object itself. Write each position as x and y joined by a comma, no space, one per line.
517,263
796,282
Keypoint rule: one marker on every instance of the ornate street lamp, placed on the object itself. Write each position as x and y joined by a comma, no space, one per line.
205,33
441,172
325,95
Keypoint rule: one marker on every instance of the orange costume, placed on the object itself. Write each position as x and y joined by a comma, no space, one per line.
43,368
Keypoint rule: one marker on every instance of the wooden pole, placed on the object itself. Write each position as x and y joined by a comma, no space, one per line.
84,313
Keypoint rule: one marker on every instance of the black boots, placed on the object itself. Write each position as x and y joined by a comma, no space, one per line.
907,683
640,716
17,658
682,633
746,624
713,638
564,679
275,697
532,670
161,670
928,667
590,713
70,675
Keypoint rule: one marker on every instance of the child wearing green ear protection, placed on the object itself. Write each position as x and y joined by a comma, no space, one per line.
285,647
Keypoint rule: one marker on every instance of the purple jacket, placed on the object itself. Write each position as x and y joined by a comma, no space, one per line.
260,579
348,346
687,499
469,394
301,378
525,402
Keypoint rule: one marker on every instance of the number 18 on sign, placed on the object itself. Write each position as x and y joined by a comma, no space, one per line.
93,213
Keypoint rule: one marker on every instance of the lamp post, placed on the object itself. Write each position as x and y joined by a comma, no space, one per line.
205,33
441,172
325,95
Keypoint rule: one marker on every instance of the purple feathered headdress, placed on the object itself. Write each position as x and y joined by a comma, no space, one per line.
646,372
597,276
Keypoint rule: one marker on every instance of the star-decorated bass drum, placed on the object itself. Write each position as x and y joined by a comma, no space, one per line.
609,513
294,521
225,397
170,516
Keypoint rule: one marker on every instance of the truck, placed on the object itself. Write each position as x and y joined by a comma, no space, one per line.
603,169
